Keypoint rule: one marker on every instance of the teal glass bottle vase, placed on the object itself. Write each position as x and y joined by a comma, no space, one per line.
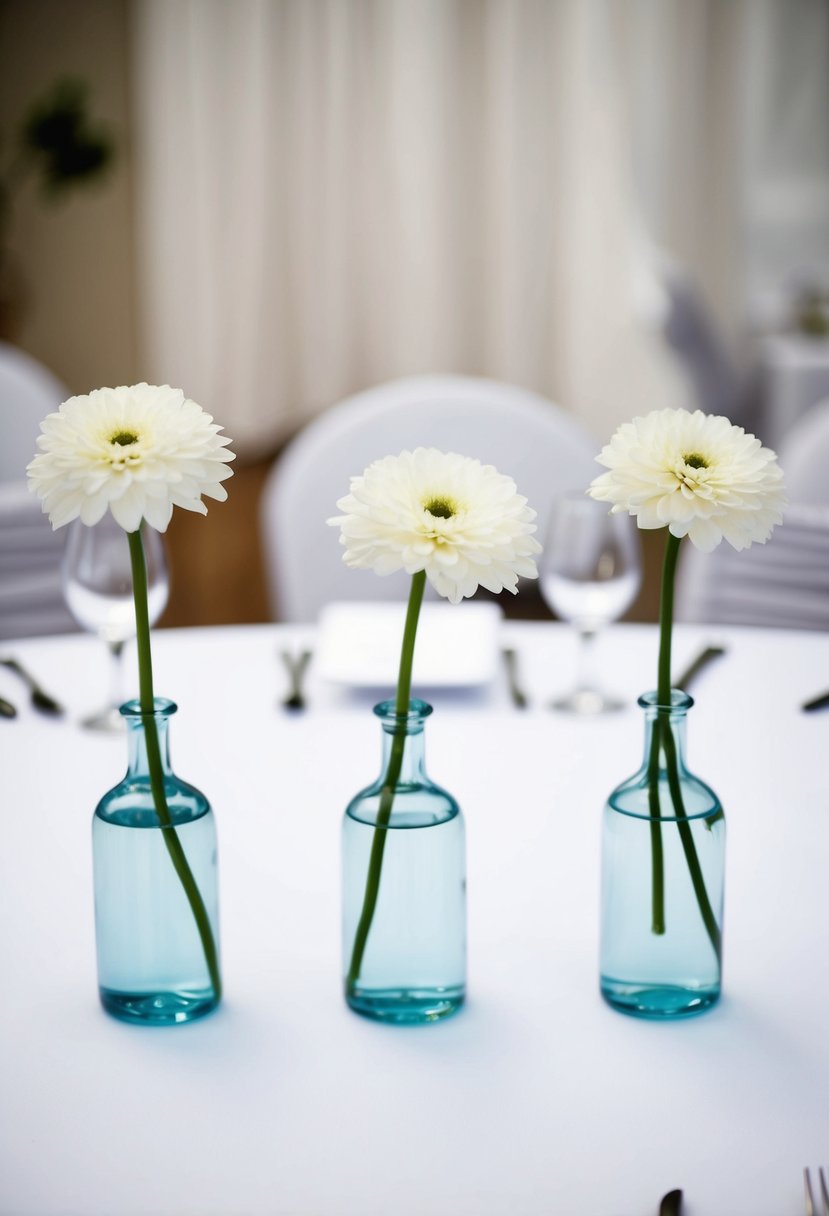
663,866
404,886
152,961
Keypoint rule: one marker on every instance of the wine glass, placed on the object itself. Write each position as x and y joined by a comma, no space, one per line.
590,571
97,587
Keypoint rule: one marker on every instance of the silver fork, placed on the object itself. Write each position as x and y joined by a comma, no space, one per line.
811,1210
296,668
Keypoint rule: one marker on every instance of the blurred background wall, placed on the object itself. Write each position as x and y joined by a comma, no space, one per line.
385,188
612,202
74,287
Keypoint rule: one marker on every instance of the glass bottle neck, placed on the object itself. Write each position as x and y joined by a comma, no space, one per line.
137,724
665,718
404,730
413,764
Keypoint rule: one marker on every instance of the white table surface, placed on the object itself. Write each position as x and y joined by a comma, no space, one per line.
537,1099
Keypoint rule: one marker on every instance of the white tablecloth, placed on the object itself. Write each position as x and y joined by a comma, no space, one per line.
537,1099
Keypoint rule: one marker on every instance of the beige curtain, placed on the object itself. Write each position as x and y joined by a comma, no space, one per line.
332,193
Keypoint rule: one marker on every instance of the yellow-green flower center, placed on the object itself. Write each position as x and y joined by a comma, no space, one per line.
124,438
441,508
695,461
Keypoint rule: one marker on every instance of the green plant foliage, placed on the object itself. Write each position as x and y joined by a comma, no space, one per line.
59,135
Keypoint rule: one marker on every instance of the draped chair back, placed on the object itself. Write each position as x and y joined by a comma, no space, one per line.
784,582
544,449
31,600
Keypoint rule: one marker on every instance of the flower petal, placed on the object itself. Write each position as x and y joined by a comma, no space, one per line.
137,451
480,533
695,473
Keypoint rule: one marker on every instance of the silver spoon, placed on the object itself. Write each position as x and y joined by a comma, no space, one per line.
40,699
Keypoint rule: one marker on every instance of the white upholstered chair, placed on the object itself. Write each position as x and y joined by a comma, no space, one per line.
804,457
784,582
31,600
544,449
28,392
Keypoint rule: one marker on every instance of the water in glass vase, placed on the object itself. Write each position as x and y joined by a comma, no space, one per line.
152,963
414,962
662,880
412,968
675,972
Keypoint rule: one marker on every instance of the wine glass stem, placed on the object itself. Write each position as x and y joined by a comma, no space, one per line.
586,680
116,676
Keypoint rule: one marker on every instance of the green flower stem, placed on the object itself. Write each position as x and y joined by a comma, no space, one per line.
168,831
657,857
666,619
392,776
689,848
662,737
660,726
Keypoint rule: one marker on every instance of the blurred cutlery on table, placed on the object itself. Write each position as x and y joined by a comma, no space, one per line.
821,701
697,665
296,667
7,710
811,1207
671,1204
39,699
516,692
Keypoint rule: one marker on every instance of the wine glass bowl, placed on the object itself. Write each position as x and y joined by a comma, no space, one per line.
97,587
590,572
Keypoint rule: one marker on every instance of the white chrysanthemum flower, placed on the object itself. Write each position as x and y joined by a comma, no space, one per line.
696,474
462,522
139,451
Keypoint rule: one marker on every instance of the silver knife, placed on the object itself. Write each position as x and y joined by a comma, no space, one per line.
693,669
516,692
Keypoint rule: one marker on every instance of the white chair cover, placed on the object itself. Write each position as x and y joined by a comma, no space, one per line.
31,601
783,583
804,457
31,598
525,436
28,392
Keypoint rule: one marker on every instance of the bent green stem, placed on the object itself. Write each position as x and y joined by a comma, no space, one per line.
661,726
392,776
689,848
666,620
662,738
657,857
147,700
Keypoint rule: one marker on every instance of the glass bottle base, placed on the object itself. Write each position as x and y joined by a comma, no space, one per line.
658,1001
158,1008
405,1006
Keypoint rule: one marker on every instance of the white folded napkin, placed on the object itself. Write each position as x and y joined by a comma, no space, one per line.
359,644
